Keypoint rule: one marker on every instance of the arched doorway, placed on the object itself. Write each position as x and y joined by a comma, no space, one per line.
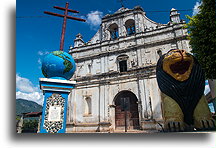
126,111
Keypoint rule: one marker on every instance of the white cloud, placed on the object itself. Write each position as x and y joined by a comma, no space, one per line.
94,19
34,96
41,53
25,85
26,90
39,61
109,11
196,8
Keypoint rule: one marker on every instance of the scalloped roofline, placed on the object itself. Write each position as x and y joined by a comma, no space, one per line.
154,21
124,10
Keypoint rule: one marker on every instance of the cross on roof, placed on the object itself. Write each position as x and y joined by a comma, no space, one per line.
121,1
65,16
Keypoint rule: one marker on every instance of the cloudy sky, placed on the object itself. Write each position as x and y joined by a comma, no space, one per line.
196,8
37,34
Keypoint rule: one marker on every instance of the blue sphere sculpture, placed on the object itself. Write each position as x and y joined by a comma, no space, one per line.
58,65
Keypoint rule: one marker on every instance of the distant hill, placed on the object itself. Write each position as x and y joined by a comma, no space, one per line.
23,106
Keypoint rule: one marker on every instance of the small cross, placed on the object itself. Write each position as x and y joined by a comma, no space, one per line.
65,16
121,1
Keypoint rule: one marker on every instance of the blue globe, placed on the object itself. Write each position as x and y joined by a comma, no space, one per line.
58,65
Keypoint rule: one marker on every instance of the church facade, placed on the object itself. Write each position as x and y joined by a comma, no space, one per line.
116,73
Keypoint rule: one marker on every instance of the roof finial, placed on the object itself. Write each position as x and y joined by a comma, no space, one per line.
121,1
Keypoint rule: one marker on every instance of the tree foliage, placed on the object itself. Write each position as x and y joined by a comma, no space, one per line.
30,125
202,35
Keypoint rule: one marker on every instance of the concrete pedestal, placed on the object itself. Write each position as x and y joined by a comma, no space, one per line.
55,104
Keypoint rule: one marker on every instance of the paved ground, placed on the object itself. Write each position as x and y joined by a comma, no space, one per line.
136,131
146,132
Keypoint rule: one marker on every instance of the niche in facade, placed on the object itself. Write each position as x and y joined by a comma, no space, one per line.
130,27
88,106
113,28
122,62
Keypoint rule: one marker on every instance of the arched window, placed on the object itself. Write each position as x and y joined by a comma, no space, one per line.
130,27
113,31
88,106
122,61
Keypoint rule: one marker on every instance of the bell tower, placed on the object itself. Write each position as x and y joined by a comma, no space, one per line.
174,16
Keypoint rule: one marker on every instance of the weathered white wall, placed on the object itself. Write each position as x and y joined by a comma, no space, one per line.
99,57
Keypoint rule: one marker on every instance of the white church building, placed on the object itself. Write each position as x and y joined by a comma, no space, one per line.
116,73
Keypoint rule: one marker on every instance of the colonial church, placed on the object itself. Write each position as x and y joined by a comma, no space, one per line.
116,86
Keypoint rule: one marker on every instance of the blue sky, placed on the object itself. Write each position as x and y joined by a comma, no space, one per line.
38,34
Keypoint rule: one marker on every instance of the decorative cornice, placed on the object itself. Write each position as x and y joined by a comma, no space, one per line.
131,48
109,77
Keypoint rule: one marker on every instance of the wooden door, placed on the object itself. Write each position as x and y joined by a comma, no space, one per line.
126,113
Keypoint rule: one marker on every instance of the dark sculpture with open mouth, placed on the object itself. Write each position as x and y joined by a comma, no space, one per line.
182,83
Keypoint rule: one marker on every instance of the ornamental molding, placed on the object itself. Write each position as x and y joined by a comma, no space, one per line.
110,77
131,48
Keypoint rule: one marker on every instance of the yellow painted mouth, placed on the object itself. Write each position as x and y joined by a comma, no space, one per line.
178,64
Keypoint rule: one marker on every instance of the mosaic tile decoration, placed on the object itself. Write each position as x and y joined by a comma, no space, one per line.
56,100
